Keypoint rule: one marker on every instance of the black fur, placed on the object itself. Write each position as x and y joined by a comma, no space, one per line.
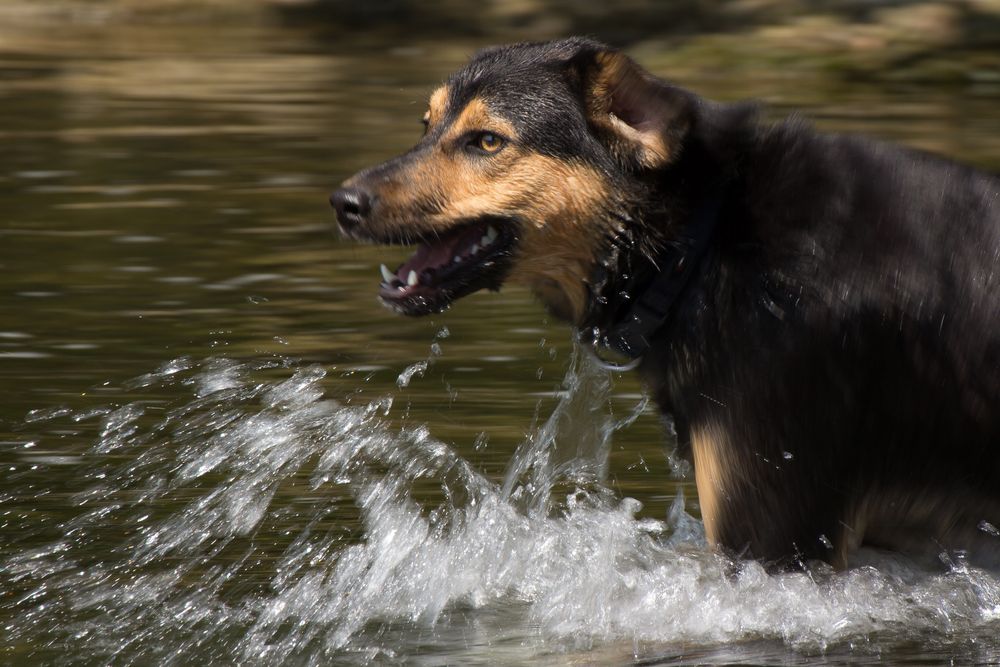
847,315
843,334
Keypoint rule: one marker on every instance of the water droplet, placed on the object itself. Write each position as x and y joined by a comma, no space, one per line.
989,528
481,441
404,378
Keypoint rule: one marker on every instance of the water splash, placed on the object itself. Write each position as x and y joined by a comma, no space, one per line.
573,444
419,368
220,529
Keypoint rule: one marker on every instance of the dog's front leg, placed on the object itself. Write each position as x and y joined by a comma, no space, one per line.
762,503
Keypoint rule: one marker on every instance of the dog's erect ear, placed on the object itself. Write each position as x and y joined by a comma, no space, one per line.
642,119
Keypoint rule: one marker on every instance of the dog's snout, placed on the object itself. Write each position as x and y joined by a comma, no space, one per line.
352,206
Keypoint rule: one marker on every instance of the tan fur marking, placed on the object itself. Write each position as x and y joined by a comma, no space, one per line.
476,116
651,148
560,202
618,75
565,202
437,105
710,476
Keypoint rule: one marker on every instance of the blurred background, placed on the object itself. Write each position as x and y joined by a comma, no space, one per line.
164,173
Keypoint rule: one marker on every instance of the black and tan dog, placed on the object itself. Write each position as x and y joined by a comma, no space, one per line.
820,313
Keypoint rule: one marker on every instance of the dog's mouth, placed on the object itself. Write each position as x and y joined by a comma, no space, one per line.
467,258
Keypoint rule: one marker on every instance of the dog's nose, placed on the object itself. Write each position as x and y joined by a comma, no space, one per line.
352,206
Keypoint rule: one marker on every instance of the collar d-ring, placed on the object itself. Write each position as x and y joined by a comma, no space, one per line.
595,350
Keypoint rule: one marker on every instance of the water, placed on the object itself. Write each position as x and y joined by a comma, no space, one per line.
216,446
258,518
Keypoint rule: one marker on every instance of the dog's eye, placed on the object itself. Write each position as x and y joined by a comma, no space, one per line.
488,142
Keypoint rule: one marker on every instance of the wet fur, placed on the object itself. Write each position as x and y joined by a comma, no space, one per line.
834,365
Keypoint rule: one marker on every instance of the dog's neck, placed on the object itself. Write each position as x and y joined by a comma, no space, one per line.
633,294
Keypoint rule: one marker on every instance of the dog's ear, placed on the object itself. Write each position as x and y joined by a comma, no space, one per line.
642,119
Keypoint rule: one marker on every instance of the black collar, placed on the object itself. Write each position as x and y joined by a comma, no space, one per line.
628,331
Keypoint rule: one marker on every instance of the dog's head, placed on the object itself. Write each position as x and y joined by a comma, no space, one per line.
531,157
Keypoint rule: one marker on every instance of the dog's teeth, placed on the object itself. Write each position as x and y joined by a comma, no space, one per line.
491,233
456,259
411,278
387,275
474,249
485,241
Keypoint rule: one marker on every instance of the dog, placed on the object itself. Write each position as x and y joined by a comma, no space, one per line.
820,314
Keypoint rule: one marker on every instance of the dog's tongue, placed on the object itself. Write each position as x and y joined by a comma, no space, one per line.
440,252
427,256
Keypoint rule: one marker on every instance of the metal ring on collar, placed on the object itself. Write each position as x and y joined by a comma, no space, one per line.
629,365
